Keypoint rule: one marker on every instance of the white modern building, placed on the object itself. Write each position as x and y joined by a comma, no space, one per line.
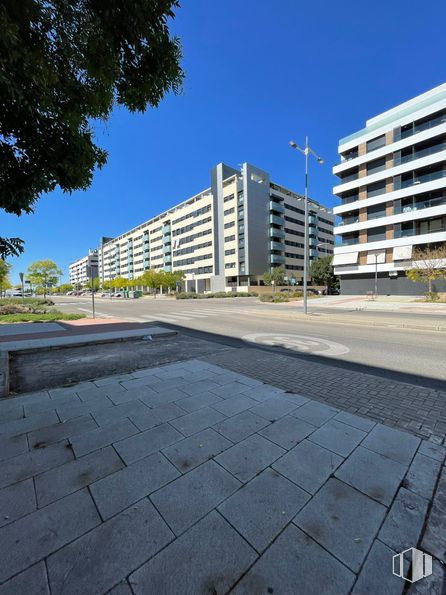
80,270
224,237
392,189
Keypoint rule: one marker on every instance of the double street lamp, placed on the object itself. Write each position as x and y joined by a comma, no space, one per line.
306,151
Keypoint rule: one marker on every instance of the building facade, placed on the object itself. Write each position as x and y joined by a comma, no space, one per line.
392,188
80,270
225,237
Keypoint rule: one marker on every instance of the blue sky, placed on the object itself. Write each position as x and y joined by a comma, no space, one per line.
258,73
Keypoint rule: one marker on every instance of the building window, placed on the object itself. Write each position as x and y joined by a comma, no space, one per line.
229,252
375,166
229,238
376,234
229,211
228,198
230,224
376,189
230,265
376,143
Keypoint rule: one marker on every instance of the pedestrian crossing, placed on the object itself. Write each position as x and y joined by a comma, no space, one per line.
181,315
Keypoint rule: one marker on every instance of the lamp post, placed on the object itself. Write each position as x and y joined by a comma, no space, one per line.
306,151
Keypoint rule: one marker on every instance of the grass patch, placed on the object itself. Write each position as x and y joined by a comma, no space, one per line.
42,317
191,295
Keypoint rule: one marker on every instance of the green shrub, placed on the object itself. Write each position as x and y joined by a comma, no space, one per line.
26,301
432,296
190,295
275,298
44,317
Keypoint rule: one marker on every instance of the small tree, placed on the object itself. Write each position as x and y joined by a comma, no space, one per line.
427,266
44,273
4,280
321,272
277,274
65,288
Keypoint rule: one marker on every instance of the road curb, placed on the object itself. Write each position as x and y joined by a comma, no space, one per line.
365,322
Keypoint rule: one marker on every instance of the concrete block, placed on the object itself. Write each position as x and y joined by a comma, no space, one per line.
157,416
198,420
57,483
105,556
295,564
141,445
247,458
343,521
373,578
34,462
373,474
123,488
274,408
391,443
32,581
13,446
234,405
403,525
287,431
315,413
196,449
209,558
190,497
56,432
16,501
308,465
241,426
35,536
101,437
422,475
263,508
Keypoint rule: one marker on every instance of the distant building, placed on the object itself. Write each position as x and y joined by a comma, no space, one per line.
226,236
80,270
392,188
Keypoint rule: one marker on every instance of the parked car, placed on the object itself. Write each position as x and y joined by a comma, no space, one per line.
116,295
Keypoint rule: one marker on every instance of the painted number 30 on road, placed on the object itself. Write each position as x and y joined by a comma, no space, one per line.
301,343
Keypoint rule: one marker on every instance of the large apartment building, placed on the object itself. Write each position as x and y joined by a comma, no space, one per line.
226,236
392,188
80,271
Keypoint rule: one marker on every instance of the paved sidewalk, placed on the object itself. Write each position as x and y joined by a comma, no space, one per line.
416,409
193,479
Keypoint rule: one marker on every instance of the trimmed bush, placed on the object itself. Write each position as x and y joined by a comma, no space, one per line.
190,295
275,298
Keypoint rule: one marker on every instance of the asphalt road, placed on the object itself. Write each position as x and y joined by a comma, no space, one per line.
403,354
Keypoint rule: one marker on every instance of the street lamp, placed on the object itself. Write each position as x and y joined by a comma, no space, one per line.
306,151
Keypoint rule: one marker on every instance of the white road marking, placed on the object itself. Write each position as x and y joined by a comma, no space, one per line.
298,343
101,314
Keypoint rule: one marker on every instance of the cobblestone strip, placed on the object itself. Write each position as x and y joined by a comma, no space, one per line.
415,409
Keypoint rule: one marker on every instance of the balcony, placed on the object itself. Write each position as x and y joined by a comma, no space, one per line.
276,206
167,269
349,221
429,177
419,154
273,219
313,242
413,231
348,178
166,228
276,259
313,253
276,233
276,246
313,220
417,206
349,242
415,128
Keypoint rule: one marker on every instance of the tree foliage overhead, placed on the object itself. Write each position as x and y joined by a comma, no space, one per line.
321,272
44,273
277,274
428,265
64,64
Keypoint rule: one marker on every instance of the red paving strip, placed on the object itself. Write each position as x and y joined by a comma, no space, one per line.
79,327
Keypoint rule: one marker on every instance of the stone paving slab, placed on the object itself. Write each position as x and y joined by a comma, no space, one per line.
157,482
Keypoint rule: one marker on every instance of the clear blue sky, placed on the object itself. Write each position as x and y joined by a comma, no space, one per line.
258,73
